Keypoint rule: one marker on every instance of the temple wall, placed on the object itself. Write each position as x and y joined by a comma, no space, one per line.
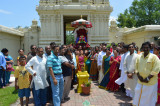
31,36
11,41
140,37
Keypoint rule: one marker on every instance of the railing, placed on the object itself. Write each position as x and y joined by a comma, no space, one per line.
70,2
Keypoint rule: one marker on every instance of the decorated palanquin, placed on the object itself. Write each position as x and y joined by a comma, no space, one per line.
81,37
81,32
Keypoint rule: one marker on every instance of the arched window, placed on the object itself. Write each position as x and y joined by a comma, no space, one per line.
75,1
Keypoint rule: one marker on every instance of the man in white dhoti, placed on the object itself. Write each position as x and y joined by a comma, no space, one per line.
129,69
147,68
99,63
123,76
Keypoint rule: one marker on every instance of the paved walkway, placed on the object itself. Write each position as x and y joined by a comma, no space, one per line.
97,97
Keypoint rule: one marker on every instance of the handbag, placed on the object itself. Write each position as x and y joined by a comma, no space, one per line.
9,67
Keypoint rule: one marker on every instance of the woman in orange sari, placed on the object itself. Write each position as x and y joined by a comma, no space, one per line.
156,52
114,72
94,67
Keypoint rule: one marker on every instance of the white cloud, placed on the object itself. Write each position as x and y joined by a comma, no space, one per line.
5,12
112,18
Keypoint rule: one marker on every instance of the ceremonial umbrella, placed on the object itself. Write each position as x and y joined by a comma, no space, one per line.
80,22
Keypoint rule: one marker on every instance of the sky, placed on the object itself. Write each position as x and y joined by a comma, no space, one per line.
15,13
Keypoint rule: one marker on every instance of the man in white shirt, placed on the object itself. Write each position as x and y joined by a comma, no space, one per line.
99,63
129,69
39,73
123,76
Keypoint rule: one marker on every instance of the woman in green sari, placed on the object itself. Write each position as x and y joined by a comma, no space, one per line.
105,69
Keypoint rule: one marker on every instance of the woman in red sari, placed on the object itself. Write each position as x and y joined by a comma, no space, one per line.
156,52
114,72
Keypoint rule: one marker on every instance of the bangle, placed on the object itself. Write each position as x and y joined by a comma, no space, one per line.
147,79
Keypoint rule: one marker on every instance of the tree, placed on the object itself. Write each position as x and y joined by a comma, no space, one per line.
17,27
126,20
141,12
69,38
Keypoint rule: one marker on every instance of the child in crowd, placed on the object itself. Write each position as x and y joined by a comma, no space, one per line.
22,82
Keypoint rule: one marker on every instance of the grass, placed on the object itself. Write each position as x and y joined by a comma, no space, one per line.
14,69
12,72
8,96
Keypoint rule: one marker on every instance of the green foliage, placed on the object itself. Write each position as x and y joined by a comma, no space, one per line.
87,84
69,39
141,12
12,72
8,96
17,27
108,45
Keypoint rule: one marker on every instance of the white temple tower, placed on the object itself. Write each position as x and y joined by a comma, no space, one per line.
54,14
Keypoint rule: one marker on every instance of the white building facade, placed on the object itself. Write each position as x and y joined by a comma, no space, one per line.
52,17
54,14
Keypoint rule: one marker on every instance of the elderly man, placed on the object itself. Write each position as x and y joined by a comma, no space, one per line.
147,68
39,73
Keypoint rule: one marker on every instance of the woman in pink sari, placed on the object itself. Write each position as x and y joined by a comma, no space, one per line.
81,60
114,72
156,52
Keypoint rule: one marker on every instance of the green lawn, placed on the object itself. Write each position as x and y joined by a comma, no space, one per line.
14,69
12,72
8,96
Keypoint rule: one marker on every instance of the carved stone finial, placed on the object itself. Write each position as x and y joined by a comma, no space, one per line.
113,26
34,23
113,22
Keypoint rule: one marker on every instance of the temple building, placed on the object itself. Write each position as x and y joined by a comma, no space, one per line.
56,14
56,17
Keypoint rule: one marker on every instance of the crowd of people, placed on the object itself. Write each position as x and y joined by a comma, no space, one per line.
51,73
